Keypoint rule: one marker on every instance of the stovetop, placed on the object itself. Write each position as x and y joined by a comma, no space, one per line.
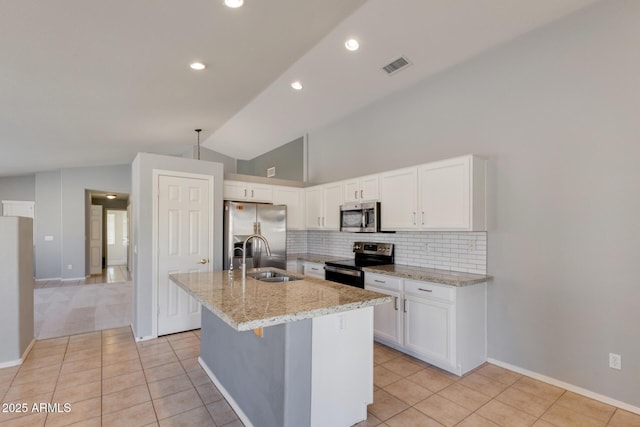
367,254
356,264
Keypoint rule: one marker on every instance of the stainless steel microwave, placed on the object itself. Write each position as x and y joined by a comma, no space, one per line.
360,217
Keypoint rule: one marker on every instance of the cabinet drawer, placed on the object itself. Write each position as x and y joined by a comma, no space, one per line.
430,290
381,281
314,270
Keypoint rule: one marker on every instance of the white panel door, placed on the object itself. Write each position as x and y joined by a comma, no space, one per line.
95,240
184,218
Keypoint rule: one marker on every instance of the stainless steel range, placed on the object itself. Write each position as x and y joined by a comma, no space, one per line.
349,271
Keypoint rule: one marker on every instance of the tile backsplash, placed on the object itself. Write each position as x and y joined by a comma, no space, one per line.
455,251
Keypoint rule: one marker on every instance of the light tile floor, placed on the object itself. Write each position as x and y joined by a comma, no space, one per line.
409,392
111,381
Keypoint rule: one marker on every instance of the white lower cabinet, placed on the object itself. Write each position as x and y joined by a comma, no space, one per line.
314,269
442,325
294,266
388,318
428,328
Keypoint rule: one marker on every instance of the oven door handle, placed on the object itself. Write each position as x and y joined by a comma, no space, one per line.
344,271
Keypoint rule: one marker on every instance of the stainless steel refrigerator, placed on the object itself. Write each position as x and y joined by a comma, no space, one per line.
242,219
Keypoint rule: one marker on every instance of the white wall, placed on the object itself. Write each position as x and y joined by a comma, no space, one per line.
48,223
60,212
212,156
556,114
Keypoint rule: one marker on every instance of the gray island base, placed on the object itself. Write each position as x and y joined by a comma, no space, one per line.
314,369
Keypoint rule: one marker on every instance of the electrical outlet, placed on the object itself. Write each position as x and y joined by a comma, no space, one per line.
615,361
471,245
69,267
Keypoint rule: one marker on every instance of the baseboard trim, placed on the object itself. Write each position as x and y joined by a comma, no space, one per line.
145,338
573,388
47,279
69,279
243,417
21,360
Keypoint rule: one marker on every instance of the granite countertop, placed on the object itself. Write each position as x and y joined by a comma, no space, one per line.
259,304
320,259
434,275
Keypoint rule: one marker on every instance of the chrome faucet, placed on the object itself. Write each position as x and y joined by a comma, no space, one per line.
244,251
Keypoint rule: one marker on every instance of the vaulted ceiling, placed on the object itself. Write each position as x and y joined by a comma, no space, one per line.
87,82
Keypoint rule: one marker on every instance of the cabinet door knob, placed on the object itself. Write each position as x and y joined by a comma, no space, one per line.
404,306
203,261
361,194
414,219
245,192
425,290
355,194
395,303
251,193
379,281
422,218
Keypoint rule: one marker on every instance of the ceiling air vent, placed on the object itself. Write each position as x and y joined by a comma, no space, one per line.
397,65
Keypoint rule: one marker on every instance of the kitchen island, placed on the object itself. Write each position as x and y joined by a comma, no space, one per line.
296,353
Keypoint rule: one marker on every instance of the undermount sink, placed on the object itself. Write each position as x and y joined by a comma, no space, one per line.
273,276
282,278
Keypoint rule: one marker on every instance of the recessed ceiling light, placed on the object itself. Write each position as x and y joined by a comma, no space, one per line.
352,44
296,85
233,3
198,66
111,196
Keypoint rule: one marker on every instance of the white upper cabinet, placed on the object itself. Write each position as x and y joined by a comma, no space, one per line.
452,194
248,191
293,197
444,195
363,189
399,199
332,199
322,206
313,207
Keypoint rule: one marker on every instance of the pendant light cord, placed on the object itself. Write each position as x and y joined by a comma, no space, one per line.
198,131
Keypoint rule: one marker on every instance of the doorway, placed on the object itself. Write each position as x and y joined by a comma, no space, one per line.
108,230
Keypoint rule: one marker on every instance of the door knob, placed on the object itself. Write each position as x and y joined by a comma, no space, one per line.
203,261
